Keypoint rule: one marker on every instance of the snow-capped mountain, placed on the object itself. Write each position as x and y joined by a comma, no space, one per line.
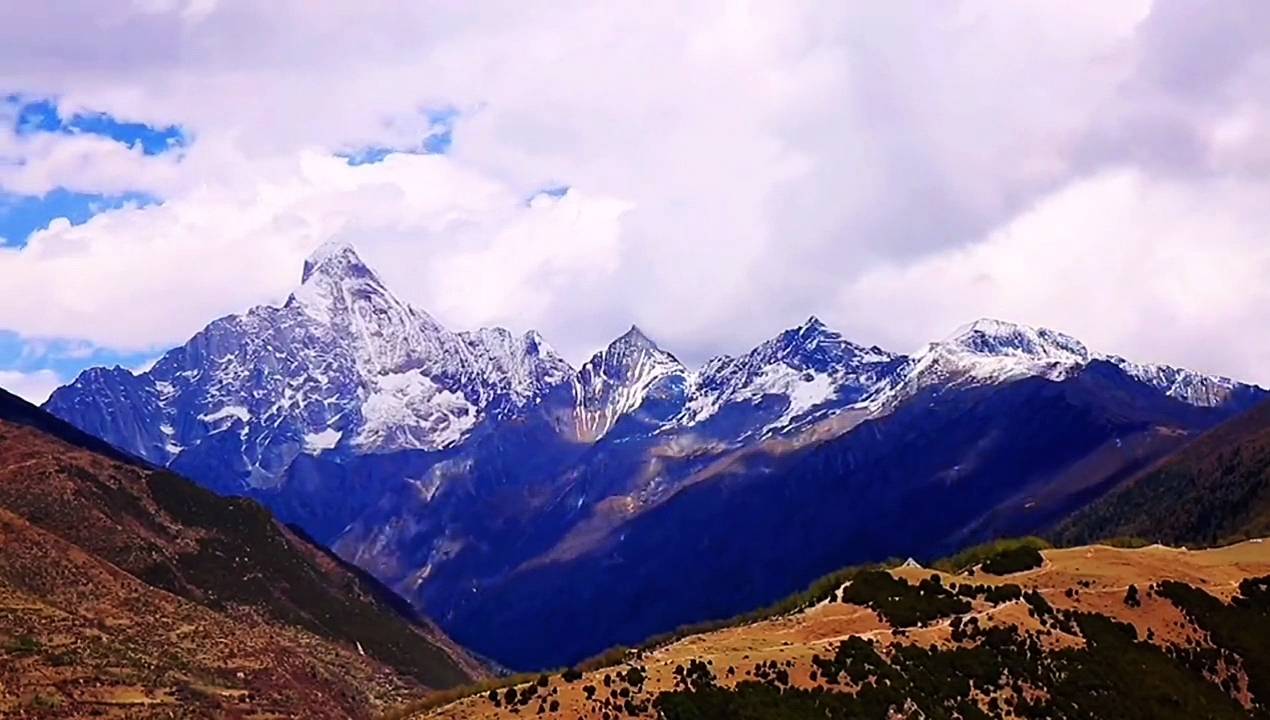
345,367
343,364
983,352
795,377
810,366
621,378
990,351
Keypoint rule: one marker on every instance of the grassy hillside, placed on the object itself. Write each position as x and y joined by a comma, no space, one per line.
1090,632
1214,490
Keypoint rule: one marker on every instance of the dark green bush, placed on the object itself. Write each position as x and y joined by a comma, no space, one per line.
900,603
1014,550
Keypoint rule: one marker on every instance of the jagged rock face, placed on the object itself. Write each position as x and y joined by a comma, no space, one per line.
115,405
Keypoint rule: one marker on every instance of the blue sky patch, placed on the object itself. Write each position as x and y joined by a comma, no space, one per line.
32,116
64,357
437,142
551,191
21,215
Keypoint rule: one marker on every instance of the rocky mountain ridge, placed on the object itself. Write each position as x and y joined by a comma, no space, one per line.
343,365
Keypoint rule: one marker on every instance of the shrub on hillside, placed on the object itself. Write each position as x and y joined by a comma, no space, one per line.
902,604
1020,549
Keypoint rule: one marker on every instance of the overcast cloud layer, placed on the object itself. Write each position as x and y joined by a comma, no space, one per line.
897,169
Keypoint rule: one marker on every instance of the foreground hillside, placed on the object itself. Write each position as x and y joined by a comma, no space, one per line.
130,593
1087,632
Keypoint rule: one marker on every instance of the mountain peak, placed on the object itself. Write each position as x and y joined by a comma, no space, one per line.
814,323
334,258
988,351
616,381
989,336
631,347
813,331
988,326
634,337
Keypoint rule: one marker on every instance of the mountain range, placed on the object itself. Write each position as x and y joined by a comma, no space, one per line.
541,513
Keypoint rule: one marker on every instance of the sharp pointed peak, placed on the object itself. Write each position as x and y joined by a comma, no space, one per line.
634,336
534,342
634,342
534,339
812,327
332,257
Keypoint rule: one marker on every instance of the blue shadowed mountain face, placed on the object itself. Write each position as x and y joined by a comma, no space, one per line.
542,513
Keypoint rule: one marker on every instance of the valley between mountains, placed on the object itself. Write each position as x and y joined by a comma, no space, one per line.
540,514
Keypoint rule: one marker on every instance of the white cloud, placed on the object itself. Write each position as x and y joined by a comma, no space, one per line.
36,164
140,277
34,387
1132,265
735,167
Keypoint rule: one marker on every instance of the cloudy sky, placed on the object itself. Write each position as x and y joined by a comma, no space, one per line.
713,172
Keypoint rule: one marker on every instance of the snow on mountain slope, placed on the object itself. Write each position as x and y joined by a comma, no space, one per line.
524,366
1186,385
983,352
991,351
340,294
